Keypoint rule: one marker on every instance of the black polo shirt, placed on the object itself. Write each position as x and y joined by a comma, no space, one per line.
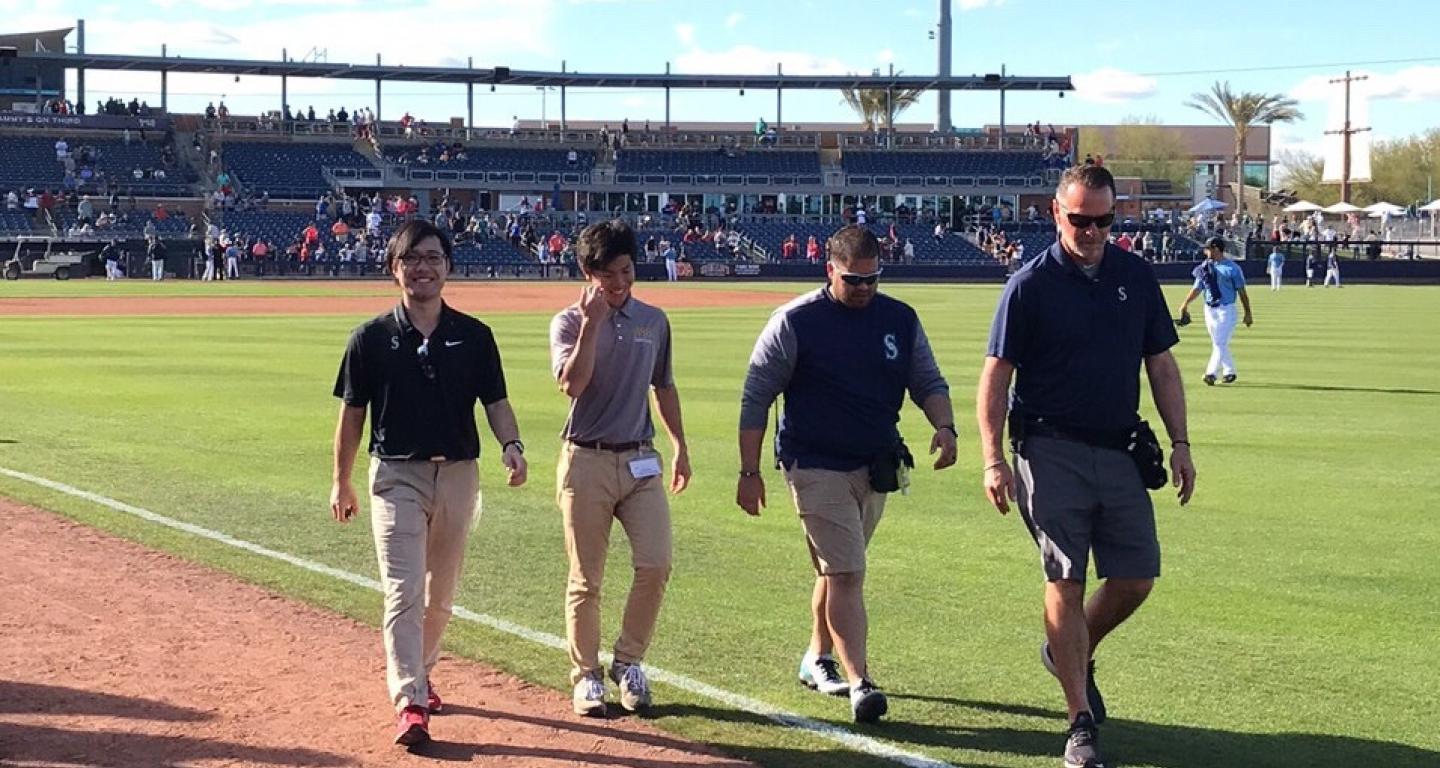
422,411
1077,341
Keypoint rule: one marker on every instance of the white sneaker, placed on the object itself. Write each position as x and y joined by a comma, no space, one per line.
822,673
589,699
634,686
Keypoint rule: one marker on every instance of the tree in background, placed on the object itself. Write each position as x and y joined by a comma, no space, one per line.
877,107
1243,111
1403,171
1141,147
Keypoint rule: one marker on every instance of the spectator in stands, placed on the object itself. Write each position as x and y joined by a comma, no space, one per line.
372,223
909,251
812,250
258,253
210,111
860,214
85,210
790,249
1124,242
572,158
341,231
12,201
62,149
310,113
652,249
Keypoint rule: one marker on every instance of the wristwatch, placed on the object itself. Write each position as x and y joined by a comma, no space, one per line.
518,445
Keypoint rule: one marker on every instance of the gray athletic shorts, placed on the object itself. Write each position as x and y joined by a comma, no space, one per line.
1075,498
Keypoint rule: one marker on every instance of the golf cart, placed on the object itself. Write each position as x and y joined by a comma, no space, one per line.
62,265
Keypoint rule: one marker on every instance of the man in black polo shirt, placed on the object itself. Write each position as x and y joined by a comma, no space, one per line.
420,368
1073,326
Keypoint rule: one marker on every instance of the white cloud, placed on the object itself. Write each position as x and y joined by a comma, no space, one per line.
1113,86
886,56
971,5
686,33
913,13
1409,84
734,19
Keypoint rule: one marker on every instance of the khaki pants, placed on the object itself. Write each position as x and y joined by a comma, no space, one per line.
839,512
594,487
421,513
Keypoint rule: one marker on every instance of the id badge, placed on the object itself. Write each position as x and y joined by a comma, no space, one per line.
645,466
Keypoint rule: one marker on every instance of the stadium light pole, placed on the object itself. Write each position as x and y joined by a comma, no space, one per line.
469,100
377,90
667,96
164,89
562,96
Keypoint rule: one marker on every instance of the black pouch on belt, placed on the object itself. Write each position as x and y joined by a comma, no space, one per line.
885,468
1144,449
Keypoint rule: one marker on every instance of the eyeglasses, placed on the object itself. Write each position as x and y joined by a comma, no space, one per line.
422,353
852,278
428,259
1080,221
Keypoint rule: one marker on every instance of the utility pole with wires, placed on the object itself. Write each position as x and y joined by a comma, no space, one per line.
1345,134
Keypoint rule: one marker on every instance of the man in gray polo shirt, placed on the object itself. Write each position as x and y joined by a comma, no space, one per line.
607,351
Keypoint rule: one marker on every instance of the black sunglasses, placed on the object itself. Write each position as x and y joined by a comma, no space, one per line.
1083,222
422,353
852,278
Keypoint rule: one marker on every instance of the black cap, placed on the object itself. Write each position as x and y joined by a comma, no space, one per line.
1215,242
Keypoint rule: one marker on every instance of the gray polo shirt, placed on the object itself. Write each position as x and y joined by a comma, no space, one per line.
632,354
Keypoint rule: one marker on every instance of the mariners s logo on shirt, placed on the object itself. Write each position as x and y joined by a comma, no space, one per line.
892,351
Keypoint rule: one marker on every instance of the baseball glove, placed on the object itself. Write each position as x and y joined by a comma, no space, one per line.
1184,319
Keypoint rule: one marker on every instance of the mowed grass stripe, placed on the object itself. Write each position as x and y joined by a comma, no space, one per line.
1289,625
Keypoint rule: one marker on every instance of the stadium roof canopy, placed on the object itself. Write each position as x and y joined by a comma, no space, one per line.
506,76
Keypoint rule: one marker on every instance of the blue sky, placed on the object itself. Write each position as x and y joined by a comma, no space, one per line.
1125,56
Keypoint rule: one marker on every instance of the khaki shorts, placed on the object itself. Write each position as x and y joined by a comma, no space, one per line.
839,512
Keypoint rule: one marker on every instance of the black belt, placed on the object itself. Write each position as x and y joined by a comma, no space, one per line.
1097,438
597,445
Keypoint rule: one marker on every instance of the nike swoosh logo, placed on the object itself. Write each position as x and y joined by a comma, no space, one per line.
453,343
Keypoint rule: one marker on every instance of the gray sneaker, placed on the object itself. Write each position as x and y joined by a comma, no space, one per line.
634,686
1082,744
589,698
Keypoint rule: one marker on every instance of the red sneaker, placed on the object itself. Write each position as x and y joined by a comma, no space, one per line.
412,727
433,702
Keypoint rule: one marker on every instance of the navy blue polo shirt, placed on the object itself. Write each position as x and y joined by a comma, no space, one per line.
1077,342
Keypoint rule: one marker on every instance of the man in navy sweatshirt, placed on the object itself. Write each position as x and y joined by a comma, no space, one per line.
844,356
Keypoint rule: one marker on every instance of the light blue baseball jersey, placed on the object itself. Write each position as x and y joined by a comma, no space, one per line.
1229,281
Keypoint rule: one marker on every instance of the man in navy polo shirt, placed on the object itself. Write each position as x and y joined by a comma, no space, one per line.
844,356
1073,326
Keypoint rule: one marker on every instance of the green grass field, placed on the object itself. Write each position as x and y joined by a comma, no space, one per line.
1293,626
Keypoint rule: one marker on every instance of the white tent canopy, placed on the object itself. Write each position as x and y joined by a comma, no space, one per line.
1432,206
1342,208
1304,206
1379,209
1208,205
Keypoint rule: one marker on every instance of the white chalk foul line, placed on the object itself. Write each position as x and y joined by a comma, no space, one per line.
846,738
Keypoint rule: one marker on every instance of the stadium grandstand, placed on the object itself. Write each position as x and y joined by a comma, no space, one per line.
322,192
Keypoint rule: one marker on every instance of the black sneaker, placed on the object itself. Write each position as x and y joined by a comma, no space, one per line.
1209,380
867,702
1229,378
1092,691
1082,744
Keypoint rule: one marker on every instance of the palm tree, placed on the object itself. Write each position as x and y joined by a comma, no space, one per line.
877,107
1243,110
